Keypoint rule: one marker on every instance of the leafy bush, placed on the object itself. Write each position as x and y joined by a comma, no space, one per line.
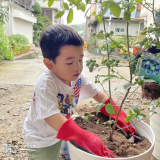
3,13
37,8
5,50
47,22
39,26
20,49
18,38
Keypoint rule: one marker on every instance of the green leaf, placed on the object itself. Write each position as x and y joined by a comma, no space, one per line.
138,66
141,116
109,76
83,7
128,119
136,109
127,15
109,108
50,3
59,14
100,34
93,14
117,87
128,85
101,68
98,107
65,5
105,80
115,9
105,9
100,20
70,16
105,3
78,7
130,112
138,1
131,9
147,103
76,2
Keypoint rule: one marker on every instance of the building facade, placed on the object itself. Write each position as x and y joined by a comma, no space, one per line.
50,12
21,19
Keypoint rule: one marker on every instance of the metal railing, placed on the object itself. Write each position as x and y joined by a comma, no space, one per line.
27,4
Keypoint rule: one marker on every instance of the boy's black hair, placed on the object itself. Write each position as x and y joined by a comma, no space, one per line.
57,36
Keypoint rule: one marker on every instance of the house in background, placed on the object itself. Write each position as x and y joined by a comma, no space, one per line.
145,15
118,26
21,19
49,12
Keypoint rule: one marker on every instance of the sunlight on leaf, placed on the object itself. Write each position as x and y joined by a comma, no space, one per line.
110,109
115,9
70,16
50,3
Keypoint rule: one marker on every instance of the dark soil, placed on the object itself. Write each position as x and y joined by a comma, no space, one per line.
119,144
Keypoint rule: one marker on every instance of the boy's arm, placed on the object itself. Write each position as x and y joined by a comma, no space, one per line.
55,121
70,131
100,96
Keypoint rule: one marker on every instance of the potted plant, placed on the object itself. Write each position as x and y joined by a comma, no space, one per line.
116,8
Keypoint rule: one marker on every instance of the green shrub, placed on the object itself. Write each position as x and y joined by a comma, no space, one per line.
37,8
5,50
18,38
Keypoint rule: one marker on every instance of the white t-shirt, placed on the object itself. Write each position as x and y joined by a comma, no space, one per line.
52,96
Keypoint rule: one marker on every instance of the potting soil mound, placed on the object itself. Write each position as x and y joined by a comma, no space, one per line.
119,144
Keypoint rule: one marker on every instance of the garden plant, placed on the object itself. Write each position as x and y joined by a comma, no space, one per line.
5,52
134,61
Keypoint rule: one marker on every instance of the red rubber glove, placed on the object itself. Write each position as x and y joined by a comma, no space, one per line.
70,131
121,119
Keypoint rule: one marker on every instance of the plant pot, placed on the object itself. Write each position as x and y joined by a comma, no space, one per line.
155,125
142,128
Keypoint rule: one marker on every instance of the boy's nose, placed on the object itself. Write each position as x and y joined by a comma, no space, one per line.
78,66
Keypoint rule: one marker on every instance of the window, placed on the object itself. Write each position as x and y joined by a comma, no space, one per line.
48,13
141,26
119,30
122,29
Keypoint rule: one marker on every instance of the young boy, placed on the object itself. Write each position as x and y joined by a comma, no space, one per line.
56,95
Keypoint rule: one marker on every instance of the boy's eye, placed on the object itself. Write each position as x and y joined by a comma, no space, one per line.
69,63
80,60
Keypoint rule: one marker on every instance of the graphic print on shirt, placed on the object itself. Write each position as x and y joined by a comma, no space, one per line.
65,102
77,89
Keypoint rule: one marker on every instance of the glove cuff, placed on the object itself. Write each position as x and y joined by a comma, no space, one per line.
69,130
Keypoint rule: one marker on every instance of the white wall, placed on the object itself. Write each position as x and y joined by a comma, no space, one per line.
133,27
147,14
23,27
56,5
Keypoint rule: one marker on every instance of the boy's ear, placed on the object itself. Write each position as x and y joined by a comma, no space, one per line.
48,63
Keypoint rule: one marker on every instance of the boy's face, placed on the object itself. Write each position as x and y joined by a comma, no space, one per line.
69,64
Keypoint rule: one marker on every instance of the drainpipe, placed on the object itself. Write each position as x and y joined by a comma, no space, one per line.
109,25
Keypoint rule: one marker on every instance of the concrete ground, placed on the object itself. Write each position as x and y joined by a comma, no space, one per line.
17,80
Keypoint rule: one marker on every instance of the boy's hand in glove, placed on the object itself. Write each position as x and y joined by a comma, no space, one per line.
70,131
121,119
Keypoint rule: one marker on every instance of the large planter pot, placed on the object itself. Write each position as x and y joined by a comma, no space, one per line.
142,128
155,125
